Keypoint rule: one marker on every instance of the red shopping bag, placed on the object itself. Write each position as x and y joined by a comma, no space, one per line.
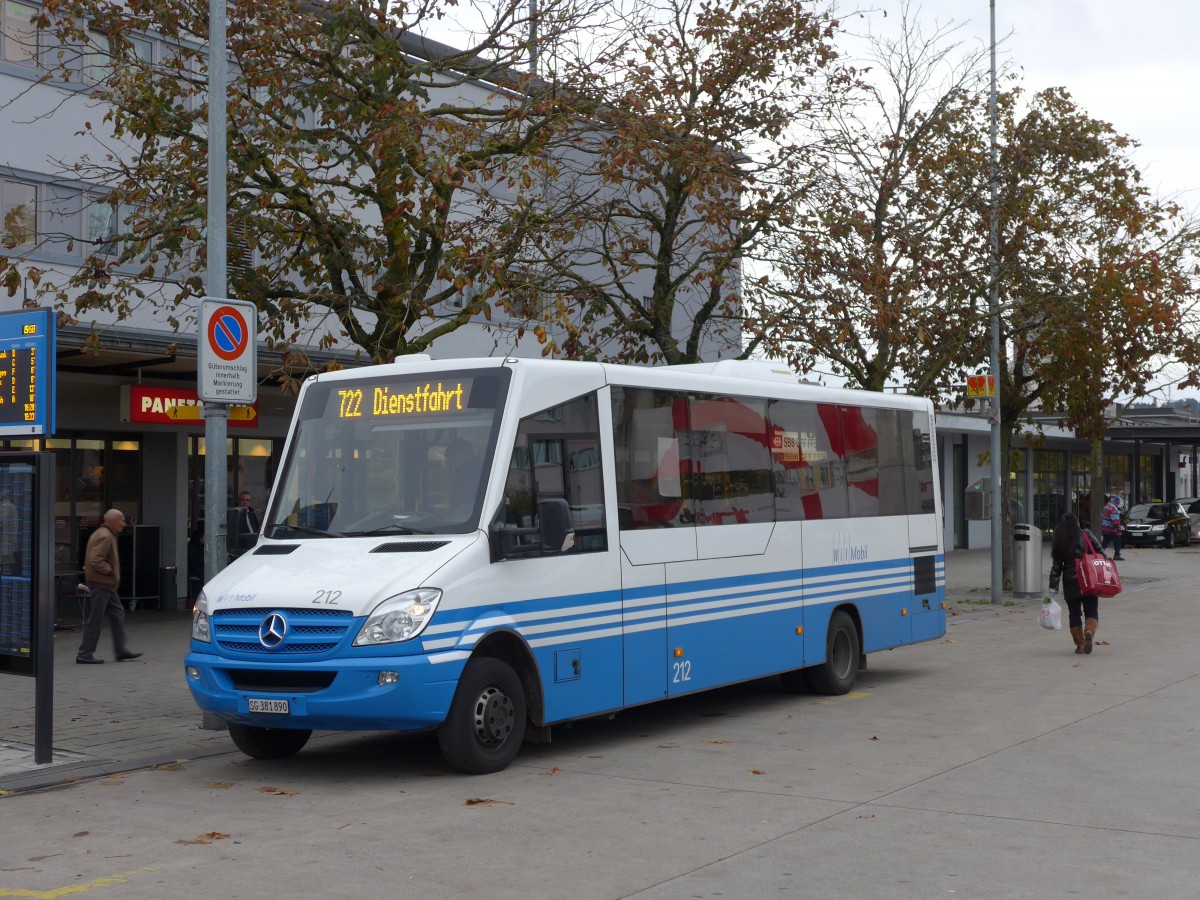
1096,573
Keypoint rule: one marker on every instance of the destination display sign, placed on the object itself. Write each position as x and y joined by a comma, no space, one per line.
396,400
27,374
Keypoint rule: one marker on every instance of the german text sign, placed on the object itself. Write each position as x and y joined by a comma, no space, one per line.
228,359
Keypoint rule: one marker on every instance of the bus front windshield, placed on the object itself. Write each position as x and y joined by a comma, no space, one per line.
395,454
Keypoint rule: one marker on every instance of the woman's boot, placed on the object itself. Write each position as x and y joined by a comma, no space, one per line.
1077,634
1089,633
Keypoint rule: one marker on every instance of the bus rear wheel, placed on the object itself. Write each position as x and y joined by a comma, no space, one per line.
268,743
486,725
837,674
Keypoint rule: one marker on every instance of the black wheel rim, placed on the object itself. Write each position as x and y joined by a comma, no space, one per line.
495,717
839,655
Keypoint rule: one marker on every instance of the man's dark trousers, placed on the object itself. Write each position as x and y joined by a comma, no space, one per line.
104,601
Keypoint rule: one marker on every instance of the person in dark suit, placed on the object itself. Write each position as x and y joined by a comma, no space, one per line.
244,501
465,468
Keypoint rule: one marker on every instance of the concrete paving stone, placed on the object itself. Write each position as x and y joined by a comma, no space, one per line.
911,856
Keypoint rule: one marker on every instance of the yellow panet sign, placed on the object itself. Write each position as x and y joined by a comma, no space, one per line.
182,413
981,386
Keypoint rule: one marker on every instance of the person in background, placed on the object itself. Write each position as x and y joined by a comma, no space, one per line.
195,564
102,574
465,469
244,503
1110,525
1065,547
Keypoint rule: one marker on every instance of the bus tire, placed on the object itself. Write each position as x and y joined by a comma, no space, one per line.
486,725
837,674
268,743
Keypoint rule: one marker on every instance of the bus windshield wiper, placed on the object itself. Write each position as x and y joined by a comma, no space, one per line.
307,529
387,529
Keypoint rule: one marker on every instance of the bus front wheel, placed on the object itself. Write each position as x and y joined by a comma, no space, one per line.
486,725
837,674
268,743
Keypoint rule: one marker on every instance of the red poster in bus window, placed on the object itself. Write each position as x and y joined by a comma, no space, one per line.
860,443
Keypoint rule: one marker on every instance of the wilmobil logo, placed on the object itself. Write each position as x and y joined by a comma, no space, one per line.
844,551
236,598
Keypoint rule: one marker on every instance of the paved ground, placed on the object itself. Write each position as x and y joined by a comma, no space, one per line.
991,763
124,716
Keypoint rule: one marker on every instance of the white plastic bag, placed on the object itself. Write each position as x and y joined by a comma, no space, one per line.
1051,615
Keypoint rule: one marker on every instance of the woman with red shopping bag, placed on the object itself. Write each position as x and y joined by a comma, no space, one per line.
1083,611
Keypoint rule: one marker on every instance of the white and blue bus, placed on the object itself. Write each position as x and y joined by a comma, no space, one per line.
488,547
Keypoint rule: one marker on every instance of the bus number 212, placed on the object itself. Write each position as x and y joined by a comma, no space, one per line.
683,672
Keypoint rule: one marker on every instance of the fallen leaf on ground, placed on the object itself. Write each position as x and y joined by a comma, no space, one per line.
277,792
4,793
719,741
553,771
71,777
476,801
81,834
1102,643
220,785
874,738
168,767
119,779
666,747
757,772
204,838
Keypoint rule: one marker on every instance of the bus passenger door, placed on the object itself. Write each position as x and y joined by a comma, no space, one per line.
925,537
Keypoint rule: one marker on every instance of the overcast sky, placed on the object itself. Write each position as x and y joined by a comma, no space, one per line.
1135,65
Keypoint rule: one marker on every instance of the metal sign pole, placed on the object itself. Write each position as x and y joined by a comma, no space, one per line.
216,415
43,548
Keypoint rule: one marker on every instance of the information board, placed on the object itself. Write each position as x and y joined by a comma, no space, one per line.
17,597
27,373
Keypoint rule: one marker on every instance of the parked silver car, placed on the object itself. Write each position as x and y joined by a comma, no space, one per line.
1191,505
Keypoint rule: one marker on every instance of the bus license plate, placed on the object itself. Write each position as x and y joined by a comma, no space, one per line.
277,707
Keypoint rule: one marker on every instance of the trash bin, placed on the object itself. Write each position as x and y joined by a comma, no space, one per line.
1027,561
168,594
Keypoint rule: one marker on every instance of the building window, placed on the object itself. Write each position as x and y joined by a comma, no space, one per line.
98,57
19,33
100,226
239,255
18,213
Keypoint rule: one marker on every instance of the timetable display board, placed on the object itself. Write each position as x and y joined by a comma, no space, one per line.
18,600
27,372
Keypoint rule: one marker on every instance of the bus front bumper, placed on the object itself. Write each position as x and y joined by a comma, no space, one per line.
372,693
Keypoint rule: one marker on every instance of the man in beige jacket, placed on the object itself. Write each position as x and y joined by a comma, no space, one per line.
102,574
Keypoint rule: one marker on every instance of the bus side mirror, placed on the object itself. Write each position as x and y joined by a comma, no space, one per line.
554,533
554,522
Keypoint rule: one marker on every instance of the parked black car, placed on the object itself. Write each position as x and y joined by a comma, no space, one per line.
1150,523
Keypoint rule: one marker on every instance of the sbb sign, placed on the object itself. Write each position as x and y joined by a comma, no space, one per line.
175,406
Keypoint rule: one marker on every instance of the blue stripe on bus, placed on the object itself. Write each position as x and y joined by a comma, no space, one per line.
679,602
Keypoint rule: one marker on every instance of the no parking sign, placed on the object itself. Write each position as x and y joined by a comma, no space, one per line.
227,368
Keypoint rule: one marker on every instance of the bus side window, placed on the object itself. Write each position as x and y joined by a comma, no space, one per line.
653,484
557,454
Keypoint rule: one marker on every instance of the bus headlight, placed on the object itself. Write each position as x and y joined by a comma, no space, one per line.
200,630
399,618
